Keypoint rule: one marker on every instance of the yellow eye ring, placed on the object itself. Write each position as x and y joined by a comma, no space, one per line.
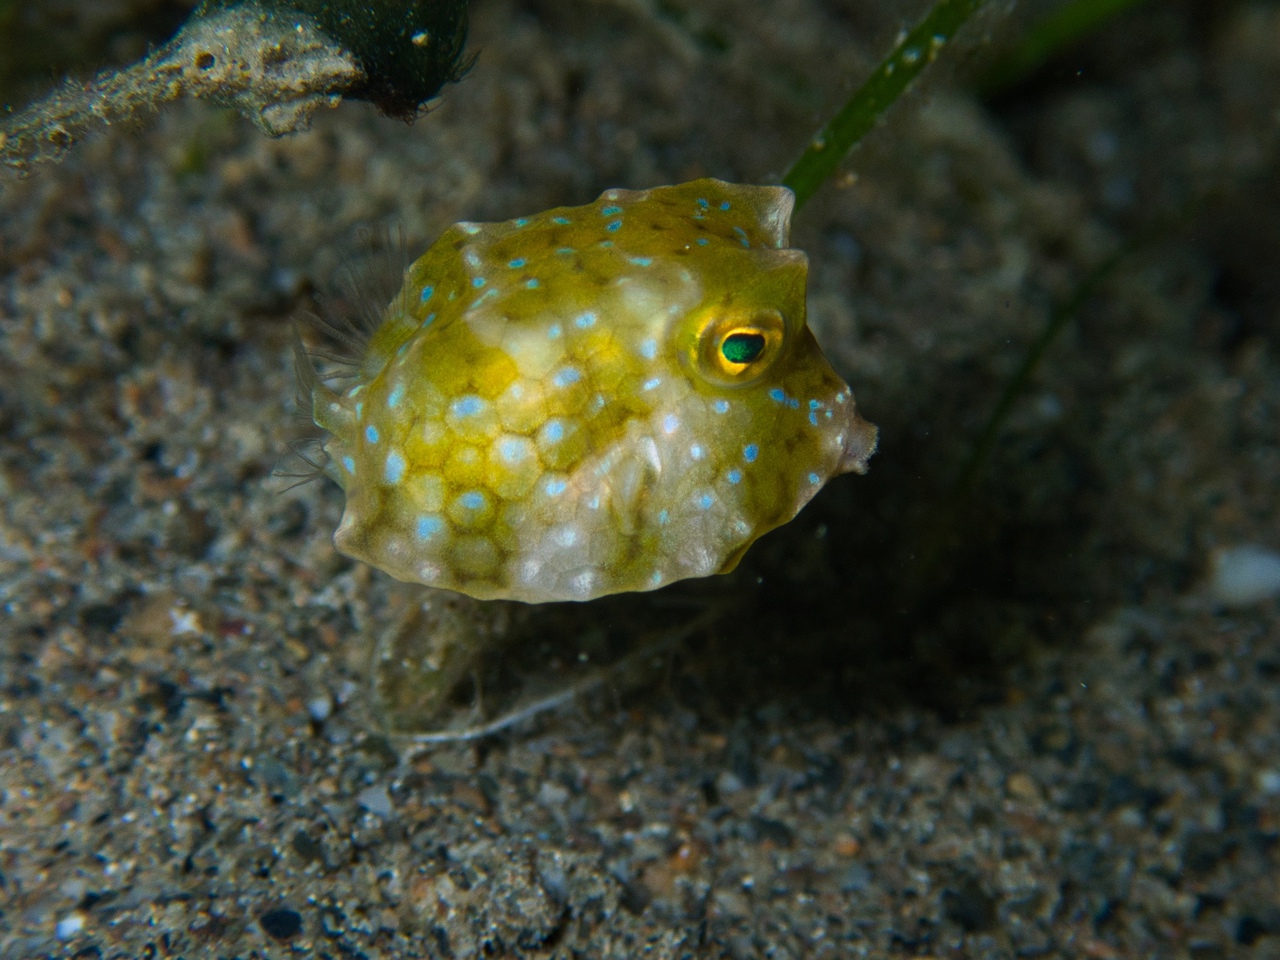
734,350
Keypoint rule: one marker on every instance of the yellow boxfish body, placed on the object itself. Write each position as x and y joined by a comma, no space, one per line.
592,400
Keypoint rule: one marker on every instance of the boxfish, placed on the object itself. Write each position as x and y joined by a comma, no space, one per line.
590,400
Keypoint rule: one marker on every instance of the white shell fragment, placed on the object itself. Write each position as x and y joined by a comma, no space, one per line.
1244,576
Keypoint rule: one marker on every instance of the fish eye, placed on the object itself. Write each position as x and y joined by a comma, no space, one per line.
734,350
742,346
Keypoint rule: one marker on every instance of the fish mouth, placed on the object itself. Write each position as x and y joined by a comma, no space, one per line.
860,440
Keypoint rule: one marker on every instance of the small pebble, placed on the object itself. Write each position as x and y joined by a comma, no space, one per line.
847,846
856,879
728,783
1245,575
69,926
375,800
1022,786
552,795
281,924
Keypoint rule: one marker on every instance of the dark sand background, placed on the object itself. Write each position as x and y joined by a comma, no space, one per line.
1023,726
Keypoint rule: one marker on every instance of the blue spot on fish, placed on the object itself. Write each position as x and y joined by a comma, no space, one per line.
814,478
610,211
349,464
725,205
396,395
613,225
778,395
429,526
427,292
532,283
566,376
734,475
371,433
478,282
585,321
553,431
750,452
720,406
513,450
703,241
555,487
742,236
642,261
395,467
652,383
431,318
705,501
468,406
649,348
473,500
664,517
561,221
517,263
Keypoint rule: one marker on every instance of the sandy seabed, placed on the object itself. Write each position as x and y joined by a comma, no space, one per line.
1017,725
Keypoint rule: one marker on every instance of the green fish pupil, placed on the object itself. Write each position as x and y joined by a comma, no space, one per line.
742,347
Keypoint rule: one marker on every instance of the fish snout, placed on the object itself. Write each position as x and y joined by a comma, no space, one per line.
860,439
